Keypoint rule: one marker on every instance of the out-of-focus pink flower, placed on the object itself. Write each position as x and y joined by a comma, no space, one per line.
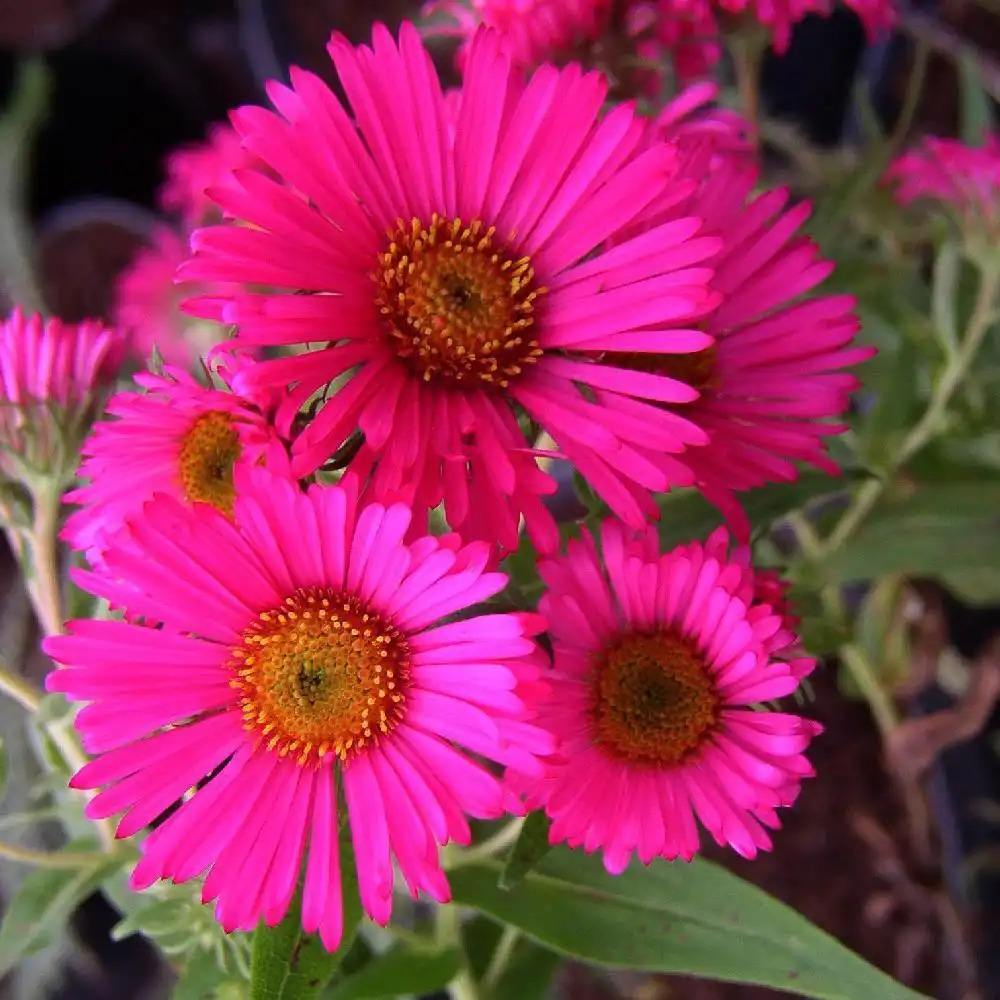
53,376
147,305
683,32
964,178
193,169
537,31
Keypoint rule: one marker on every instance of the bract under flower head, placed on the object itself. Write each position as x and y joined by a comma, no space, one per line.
53,377
456,271
175,437
658,660
300,652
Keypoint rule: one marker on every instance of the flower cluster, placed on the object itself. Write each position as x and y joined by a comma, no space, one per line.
147,303
456,294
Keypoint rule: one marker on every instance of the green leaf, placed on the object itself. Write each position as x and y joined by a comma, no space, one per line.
531,846
940,527
686,514
44,903
200,978
694,918
400,971
287,963
976,105
978,587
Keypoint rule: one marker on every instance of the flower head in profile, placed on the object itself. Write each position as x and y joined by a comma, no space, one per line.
301,654
147,305
537,31
192,170
454,278
965,180
53,377
659,662
174,436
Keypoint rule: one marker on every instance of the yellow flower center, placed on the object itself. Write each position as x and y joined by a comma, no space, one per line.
321,674
698,370
652,699
208,452
458,307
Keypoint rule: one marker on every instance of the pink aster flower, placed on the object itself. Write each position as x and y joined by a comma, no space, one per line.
966,179
537,31
773,384
456,281
175,437
301,653
703,131
658,664
53,377
148,304
193,169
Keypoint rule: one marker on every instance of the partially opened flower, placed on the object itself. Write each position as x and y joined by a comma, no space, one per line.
176,437
964,179
658,666
147,305
537,31
53,378
301,654
455,281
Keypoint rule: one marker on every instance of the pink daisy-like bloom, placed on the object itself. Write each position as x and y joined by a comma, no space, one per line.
537,31
460,280
772,385
175,437
53,377
658,663
147,304
301,653
966,179
700,129
193,169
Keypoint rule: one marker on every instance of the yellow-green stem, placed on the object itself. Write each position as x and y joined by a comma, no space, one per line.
448,931
46,859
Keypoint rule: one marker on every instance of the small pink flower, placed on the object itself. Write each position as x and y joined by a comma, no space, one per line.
148,304
705,134
685,32
537,31
53,376
453,277
193,170
658,664
963,178
301,654
175,437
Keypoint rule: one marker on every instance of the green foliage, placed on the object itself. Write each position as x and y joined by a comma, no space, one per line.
401,970
36,916
688,918
530,847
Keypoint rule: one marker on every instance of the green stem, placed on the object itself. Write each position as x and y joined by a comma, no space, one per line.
19,690
45,582
955,370
448,931
489,847
500,959
879,700
46,859
747,53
